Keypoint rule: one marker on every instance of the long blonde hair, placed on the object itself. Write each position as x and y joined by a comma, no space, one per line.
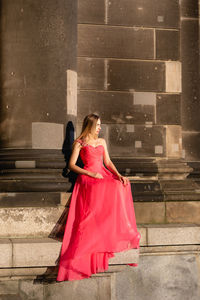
89,122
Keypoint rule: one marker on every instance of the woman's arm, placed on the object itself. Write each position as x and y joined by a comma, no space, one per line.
72,163
109,164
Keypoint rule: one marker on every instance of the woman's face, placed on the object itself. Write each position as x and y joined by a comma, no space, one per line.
98,127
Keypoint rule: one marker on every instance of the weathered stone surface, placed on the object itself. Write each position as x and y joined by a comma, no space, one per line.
177,212
10,297
142,141
189,44
9,287
166,103
145,190
122,75
91,11
136,75
29,199
22,74
191,146
65,199
190,102
15,273
125,257
145,13
173,235
6,253
117,107
41,131
23,222
180,281
178,249
167,44
118,42
149,212
143,232
72,79
174,141
164,277
173,77
95,288
38,46
189,8
90,73
44,252
34,253
180,186
190,77
44,110
33,17
28,290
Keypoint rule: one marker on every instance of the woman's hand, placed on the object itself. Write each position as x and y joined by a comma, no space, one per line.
123,179
96,175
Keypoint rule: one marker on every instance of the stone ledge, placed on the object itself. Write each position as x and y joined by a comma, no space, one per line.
173,249
6,253
44,252
173,235
169,234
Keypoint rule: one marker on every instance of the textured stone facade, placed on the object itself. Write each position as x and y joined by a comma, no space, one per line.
129,71
136,63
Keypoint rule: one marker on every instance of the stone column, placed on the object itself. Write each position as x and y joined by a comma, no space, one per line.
190,81
38,93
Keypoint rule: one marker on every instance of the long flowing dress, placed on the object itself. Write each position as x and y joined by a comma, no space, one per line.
101,220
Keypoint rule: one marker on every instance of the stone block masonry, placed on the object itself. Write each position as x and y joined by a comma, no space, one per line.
128,54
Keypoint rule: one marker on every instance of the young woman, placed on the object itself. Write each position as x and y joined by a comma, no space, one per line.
101,219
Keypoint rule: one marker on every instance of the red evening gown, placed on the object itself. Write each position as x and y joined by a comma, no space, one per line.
101,220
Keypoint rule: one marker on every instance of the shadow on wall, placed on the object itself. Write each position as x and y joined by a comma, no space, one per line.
67,150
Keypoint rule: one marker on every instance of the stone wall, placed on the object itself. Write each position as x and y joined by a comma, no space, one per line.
129,71
171,277
38,93
137,68
190,110
38,48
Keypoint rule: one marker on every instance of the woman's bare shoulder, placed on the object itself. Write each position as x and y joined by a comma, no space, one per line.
77,144
102,141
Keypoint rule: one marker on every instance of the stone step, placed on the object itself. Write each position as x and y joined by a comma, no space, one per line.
8,174
44,252
169,212
33,256
47,192
44,220
170,234
31,221
35,185
31,199
179,185
162,168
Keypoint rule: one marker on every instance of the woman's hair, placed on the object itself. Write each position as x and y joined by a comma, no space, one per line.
89,122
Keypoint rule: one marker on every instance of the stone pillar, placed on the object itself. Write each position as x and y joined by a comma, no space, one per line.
190,80
39,91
